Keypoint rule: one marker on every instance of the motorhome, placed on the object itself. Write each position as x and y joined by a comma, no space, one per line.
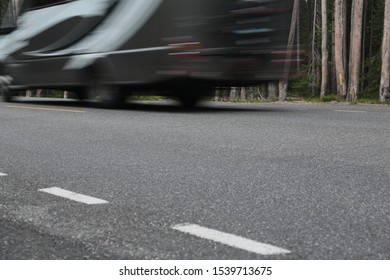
107,49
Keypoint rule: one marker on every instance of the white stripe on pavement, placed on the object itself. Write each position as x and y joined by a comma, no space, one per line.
230,240
349,111
2,174
73,196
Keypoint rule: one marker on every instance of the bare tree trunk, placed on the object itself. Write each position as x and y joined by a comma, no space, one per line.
293,28
263,91
364,34
384,91
340,46
272,91
39,92
324,49
356,47
233,93
371,30
242,93
66,94
217,92
313,66
332,67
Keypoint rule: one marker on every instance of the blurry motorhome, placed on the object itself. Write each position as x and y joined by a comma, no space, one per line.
106,49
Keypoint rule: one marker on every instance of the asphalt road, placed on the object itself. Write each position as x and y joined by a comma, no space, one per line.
310,180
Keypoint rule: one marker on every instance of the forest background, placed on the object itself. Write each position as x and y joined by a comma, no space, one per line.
340,52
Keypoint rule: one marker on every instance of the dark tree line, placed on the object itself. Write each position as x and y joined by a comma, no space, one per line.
348,43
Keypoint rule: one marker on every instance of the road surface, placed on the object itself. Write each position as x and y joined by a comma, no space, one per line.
224,181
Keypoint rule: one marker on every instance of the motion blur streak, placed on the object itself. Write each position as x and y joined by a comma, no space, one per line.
107,48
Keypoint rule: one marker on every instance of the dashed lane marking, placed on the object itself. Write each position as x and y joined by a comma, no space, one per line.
350,111
2,174
74,196
45,109
230,240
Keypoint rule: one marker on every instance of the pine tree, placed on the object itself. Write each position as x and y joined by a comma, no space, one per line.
324,48
340,46
355,50
385,76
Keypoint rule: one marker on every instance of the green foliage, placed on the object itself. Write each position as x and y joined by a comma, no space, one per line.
331,98
371,77
369,100
146,97
303,85
53,93
374,31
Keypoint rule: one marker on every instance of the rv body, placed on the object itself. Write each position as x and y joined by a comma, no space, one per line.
171,45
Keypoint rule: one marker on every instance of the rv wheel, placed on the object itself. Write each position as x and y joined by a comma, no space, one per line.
5,91
108,95
189,101
191,97
7,95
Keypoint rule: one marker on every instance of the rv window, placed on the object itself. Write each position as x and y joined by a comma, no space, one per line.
9,11
37,4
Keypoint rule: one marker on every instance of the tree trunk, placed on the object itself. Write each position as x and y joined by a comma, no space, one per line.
218,94
324,49
313,67
39,92
293,27
233,94
272,91
384,91
332,69
263,91
340,46
356,47
364,34
243,93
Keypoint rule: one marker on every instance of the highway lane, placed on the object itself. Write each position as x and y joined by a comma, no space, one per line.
295,181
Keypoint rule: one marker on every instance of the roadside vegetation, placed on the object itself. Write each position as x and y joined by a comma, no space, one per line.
252,95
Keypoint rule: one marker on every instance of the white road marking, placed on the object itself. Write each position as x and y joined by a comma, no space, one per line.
230,240
73,196
349,111
2,174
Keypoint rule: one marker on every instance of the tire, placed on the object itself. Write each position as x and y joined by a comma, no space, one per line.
8,96
190,98
189,101
106,94
6,93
